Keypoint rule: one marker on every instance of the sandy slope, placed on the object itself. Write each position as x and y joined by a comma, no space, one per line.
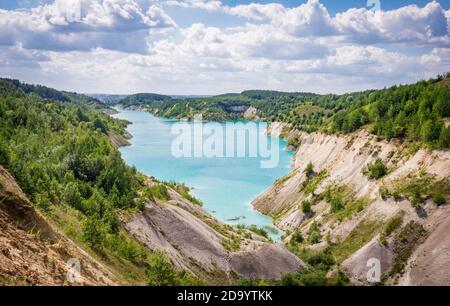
344,158
31,251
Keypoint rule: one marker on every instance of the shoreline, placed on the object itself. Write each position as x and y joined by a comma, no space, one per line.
276,237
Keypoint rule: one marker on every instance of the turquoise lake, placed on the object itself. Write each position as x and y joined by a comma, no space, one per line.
226,186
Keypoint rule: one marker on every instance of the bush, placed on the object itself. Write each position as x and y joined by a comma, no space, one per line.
309,171
306,207
72,195
376,170
94,232
314,235
393,224
439,199
297,237
294,143
258,231
336,205
160,272
156,191
4,153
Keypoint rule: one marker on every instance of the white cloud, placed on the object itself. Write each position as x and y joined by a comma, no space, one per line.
407,24
64,25
133,45
209,5
257,11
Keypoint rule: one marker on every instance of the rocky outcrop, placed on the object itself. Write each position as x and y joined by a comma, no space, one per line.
195,241
251,113
32,252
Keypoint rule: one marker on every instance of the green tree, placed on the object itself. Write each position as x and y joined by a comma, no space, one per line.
444,137
306,207
160,272
309,171
375,170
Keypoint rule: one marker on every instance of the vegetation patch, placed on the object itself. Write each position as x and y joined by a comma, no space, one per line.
185,192
404,244
417,188
343,203
392,225
257,230
314,234
375,170
312,181
357,238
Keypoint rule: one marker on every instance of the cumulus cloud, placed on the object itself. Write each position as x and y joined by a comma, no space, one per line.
83,25
209,5
407,24
17,56
257,11
126,45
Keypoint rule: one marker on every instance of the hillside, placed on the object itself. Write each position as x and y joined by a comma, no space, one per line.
15,87
143,99
32,252
338,203
76,190
415,112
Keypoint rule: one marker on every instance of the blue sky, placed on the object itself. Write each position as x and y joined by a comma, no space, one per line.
333,5
213,46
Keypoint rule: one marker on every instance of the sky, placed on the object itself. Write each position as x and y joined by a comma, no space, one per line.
207,47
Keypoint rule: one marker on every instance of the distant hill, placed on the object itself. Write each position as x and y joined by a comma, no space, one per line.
144,99
107,98
10,85
264,94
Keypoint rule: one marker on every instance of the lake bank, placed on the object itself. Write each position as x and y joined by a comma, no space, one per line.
226,186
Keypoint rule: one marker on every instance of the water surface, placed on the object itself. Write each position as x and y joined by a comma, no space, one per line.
226,186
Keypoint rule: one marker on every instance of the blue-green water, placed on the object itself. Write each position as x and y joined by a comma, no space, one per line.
226,186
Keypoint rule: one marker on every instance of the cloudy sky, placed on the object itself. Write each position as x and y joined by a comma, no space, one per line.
212,46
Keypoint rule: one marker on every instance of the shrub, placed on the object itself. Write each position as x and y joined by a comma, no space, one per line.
94,232
156,191
42,201
309,171
439,199
393,224
314,235
336,205
297,237
294,143
376,170
160,272
5,153
258,231
72,195
306,207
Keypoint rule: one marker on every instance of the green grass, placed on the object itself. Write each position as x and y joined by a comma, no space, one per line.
185,192
393,224
361,235
312,182
343,203
404,244
418,187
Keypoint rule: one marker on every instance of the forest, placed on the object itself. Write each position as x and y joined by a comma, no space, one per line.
417,112
56,146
